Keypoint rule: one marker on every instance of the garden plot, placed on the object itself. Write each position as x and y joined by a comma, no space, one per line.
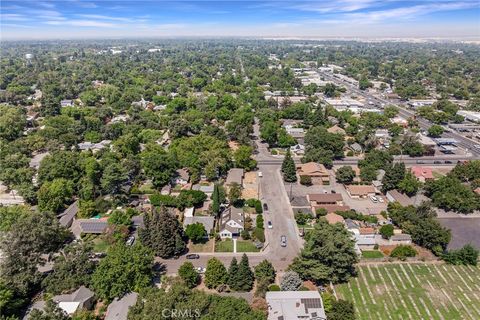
414,291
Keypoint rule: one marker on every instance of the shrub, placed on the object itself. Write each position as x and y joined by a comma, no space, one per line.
258,207
259,222
306,180
245,235
403,251
259,234
467,255
321,212
291,281
302,218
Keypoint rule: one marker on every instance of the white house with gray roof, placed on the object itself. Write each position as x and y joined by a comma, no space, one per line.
232,222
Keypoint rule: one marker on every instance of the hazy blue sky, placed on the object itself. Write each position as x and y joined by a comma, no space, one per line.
334,18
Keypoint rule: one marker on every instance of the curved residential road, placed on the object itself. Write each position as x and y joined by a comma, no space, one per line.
280,213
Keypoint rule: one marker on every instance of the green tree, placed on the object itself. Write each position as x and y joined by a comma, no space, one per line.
120,217
288,168
158,166
409,184
113,178
265,271
233,276
216,274
188,274
196,232
71,269
243,158
53,196
341,310
386,231
234,192
12,122
23,250
394,174
216,200
268,132
51,312
403,252
162,233
467,255
435,131
328,254
124,269
245,275
345,175
10,215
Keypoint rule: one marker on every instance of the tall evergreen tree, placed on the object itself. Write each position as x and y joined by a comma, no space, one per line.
163,233
233,274
394,174
216,274
216,200
245,275
288,168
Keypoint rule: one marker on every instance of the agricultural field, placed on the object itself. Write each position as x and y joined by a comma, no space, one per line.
414,291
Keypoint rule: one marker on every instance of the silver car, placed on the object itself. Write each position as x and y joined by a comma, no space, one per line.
283,241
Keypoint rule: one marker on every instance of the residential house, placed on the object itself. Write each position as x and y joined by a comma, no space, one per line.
66,103
382,134
120,118
333,218
356,147
205,188
422,173
166,190
182,177
291,305
364,237
81,299
235,175
360,191
94,146
336,129
88,226
207,221
67,216
232,222
325,198
298,149
402,238
118,309
395,195
316,171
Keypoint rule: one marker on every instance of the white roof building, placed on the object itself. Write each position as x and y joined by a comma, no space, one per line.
291,305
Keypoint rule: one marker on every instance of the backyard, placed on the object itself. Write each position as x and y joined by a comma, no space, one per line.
414,291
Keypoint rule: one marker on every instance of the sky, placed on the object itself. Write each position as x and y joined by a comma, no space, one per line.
78,19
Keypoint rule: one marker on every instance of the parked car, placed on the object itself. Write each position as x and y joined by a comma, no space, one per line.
130,241
420,161
192,256
374,199
265,207
302,233
283,241
201,270
260,174
269,225
437,162
380,199
448,161
333,191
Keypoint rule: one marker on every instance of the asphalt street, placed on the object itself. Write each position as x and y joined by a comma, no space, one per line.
280,213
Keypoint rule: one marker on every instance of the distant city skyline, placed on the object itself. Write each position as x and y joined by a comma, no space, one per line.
73,19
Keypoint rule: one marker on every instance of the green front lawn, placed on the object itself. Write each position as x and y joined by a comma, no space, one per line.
372,254
242,246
